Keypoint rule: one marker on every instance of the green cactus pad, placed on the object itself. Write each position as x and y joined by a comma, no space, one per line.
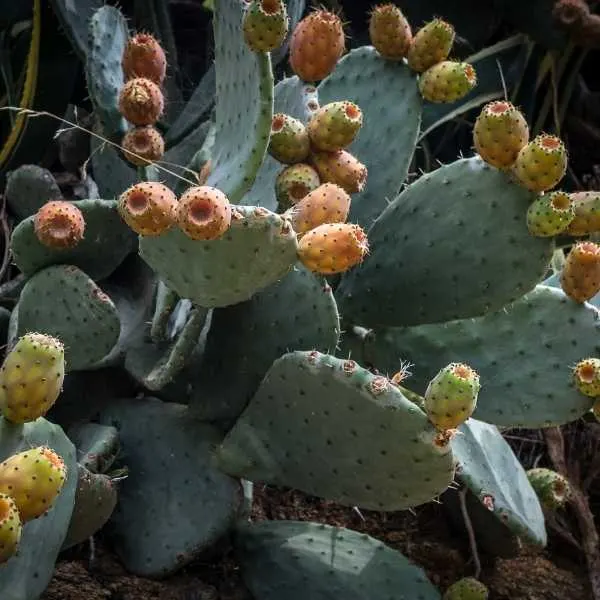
491,471
257,250
97,445
173,505
75,19
330,428
106,242
389,98
112,173
297,313
295,560
523,354
64,302
244,106
28,188
453,245
26,575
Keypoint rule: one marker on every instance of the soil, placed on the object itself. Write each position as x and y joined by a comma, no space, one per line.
423,535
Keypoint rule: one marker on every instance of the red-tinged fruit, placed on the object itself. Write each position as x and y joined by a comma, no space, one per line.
342,168
289,142
143,145
550,214
11,528
334,126
587,213
293,183
149,208
447,81
204,213
499,133
329,203
586,376
430,45
317,43
144,57
333,248
542,163
141,101
265,25
59,224
33,478
390,32
551,488
580,276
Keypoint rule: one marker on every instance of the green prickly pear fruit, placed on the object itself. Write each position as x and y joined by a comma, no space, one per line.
467,588
333,248
451,396
141,101
33,478
550,214
265,25
143,145
31,377
580,276
334,126
430,45
204,213
329,203
59,224
340,167
10,528
587,213
149,208
447,81
552,488
499,133
390,32
144,57
293,183
542,163
289,142
586,375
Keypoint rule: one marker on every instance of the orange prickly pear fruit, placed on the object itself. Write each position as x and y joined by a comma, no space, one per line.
587,377
317,43
447,81
289,142
11,528
542,163
146,142
333,248
293,183
341,167
390,32
430,45
59,224
265,25
329,203
499,133
204,213
580,276
144,57
149,208
587,213
334,126
141,101
550,214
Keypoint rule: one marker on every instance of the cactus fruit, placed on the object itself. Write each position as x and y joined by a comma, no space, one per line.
390,32
265,25
293,183
467,588
317,43
430,45
552,488
340,167
550,214
34,478
146,143
587,377
580,276
447,81
10,528
587,213
144,57
204,213
451,396
542,163
333,248
499,133
329,203
289,142
334,126
141,101
31,377
59,224
149,208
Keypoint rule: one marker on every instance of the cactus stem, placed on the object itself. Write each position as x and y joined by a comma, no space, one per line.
166,300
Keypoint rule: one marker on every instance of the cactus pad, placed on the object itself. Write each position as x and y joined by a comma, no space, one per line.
28,188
